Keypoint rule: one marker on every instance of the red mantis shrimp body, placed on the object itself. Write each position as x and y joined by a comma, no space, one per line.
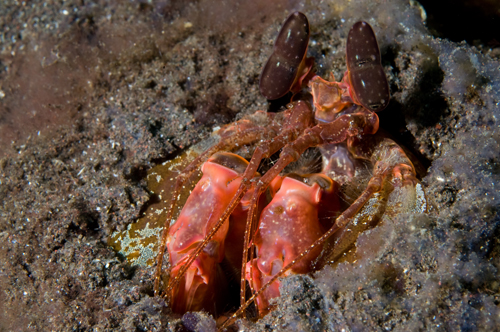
202,210
285,235
287,226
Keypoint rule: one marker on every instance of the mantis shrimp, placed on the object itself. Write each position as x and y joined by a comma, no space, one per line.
271,222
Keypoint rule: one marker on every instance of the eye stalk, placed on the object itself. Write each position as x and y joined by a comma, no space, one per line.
286,64
367,79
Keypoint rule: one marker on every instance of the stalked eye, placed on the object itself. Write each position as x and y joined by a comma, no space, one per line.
366,74
289,50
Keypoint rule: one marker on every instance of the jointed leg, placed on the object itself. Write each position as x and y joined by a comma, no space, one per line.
247,136
391,167
299,118
373,187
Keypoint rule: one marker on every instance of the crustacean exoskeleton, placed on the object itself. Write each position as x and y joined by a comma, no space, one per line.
277,215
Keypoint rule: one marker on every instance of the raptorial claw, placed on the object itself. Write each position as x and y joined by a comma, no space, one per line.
287,226
208,200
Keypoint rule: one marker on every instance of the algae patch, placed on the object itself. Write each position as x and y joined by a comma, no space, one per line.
139,242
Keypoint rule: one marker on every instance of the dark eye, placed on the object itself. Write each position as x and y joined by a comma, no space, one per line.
366,74
279,73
